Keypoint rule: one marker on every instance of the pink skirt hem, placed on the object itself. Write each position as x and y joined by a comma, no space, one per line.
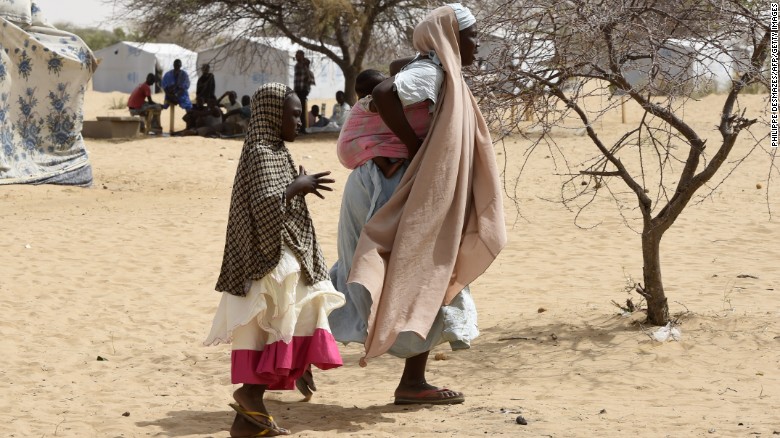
279,365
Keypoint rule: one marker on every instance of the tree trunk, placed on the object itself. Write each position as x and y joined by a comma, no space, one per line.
653,291
350,74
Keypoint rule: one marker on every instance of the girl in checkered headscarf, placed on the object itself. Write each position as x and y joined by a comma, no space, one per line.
277,290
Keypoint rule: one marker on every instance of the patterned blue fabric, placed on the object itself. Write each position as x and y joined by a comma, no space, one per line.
18,11
43,77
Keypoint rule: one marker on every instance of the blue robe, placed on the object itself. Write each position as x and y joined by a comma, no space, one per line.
177,89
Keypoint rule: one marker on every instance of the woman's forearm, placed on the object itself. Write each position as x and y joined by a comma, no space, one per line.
390,108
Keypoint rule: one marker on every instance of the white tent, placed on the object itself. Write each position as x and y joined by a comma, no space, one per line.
700,65
125,65
497,60
243,65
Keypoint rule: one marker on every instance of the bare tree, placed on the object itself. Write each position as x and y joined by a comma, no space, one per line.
546,61
353,26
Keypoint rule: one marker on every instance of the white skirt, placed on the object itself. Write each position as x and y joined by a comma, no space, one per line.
280,328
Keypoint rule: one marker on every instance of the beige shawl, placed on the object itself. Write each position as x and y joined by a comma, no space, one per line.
444,225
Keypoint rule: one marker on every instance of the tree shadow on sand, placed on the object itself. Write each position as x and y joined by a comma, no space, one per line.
594,349
296,416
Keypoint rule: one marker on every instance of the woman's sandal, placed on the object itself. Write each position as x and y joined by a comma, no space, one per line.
430,397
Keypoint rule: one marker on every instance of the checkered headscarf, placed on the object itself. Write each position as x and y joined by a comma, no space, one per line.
260,219
265,124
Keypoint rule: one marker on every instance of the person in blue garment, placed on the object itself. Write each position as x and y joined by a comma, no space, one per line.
176,84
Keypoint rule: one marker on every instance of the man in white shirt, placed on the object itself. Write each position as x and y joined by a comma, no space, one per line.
340,110
231,103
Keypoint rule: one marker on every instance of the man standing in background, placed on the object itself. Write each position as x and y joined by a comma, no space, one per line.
206,84
302,84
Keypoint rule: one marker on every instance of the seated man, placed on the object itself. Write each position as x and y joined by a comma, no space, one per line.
235,124
202,120
231,103
194,113
138,107
317,120
176,84
236,121
340,110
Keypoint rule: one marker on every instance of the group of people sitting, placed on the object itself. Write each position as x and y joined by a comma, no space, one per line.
218,117
209,116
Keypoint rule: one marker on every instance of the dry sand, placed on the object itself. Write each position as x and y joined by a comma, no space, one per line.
125,271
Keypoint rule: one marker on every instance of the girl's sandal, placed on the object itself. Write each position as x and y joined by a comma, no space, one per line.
259,419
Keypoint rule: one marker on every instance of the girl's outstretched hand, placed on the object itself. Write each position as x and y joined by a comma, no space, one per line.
305,184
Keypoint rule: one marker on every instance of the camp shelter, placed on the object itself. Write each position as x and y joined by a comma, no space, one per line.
691,66
245,64
124,65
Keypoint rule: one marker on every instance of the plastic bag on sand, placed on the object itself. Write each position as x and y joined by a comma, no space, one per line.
667,332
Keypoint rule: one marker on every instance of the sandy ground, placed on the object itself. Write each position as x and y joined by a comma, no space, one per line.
125,270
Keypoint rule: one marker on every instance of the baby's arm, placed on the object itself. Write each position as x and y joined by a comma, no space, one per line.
390,108
398,64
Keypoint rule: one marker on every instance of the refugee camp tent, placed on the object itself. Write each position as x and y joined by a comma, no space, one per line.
245,64
43,78
505,64
124,65
700,65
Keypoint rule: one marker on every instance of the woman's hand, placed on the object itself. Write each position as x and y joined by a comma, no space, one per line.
305,184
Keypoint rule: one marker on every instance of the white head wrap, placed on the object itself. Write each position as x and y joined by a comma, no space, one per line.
463,14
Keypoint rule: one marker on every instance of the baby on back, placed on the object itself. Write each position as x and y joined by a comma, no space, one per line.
366,137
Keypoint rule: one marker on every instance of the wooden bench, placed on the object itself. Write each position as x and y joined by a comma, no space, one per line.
148,118
112,127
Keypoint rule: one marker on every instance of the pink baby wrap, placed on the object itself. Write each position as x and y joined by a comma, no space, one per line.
365,136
